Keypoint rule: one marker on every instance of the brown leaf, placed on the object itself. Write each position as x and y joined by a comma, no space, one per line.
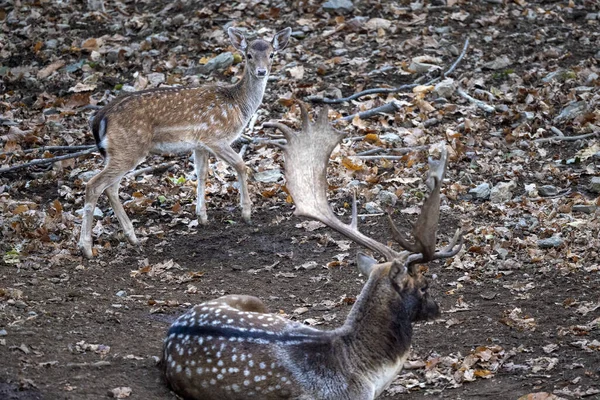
50,69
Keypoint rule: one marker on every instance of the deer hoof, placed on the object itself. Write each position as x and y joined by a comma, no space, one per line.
246,217
86,250
132,239
203,219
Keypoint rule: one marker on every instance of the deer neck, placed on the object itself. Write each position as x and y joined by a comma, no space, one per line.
249,92
378,330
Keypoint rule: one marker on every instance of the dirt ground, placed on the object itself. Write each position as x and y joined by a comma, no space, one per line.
512,323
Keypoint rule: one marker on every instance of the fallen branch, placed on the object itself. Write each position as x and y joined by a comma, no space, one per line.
49,148
390,107
155,168
319,99
566,138
43,161
484,106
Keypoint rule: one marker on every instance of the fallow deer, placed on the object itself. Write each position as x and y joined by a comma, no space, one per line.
232,349
205,119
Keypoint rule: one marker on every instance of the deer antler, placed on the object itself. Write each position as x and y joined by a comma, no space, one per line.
306,158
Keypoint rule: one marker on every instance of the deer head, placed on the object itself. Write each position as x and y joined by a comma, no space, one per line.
259,53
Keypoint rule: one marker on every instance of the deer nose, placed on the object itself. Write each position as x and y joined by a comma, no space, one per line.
261,72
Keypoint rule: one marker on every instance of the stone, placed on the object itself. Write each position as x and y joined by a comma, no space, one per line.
481,192
156,78
554,241
499,63
121,293
268,176
340,52
552,75
591,16
338,6
219,62
87,175
591,78
51,44
532,190
595,184
387,198
3,332
390,137
445,88
584,208
502,192
571,111
97,212
548,190
373,208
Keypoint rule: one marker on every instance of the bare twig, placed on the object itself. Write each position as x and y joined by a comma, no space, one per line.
42,161
49,148
557,131
390,107
154,168
566,138
484,106
319,99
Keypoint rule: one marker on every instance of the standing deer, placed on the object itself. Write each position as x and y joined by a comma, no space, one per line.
205,119
232,349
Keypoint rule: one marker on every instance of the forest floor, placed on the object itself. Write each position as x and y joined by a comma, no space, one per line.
520,303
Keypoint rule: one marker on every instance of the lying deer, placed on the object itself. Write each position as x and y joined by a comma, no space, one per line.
231,348
205,119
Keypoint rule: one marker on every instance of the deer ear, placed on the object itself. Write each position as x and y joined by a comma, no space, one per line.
365,263
281,39
237,38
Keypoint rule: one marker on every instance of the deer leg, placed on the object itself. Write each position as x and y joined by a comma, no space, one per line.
113,195
94,188
227,154
201,166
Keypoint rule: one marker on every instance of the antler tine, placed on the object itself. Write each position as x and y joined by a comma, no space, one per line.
286,130
399,237
304,116
452,248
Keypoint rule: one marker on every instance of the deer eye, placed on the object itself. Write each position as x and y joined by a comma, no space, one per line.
423,289
271,55
249,56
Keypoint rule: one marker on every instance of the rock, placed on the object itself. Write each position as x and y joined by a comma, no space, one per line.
97,212
502,252
591,78
219,62
121,293
554,241
338,6
532,190
51,44
390,137
378,23
552,75
87,175
597,55
340,52
156,78
502,192
268,176
584,208
571,111
300,310
595,184
445,88
387,198
591,16
3,332
499,63
481,192
373,208
548,190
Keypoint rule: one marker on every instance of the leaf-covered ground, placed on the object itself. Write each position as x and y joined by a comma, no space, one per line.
521,302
